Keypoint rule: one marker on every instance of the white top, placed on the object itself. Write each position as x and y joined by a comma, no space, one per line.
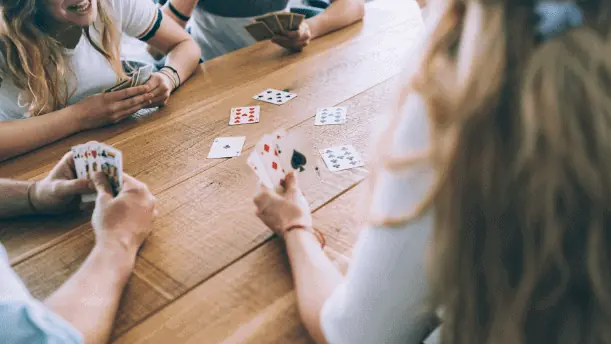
383,298
93,72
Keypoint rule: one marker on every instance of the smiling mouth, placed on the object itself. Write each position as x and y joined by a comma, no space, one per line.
81,7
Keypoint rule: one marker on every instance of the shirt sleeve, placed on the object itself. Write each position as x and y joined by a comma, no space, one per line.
383,298
24,320
137,18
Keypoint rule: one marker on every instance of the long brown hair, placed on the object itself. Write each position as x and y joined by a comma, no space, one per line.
35,60
521,145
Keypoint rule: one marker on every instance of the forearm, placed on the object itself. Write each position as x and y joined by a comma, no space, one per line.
14,198
315,278
339,14
20,136
184,57
90,298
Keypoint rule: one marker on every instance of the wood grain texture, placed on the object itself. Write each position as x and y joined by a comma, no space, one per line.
251,301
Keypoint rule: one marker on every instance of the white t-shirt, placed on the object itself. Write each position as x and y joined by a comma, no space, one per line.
383,298
93,72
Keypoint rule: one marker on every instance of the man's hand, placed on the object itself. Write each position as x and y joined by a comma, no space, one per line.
59,191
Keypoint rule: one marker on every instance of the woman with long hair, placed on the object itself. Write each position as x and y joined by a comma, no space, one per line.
492,207
57,57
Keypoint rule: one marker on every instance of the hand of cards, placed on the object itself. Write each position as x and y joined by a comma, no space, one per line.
278,154
93,157
272,24
139,78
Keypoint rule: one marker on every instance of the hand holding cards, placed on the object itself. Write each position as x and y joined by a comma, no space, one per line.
95,157
139,78
273,24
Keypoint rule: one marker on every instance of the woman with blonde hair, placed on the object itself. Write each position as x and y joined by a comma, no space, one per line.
57,56
498,171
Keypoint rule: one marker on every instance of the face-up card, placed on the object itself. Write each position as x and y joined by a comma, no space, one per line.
80,162
144,74
341,158
266,149
296,154
111,160
297,19
331,115
259,31
285,20
256,164
245,115
273,96
226,147
272,23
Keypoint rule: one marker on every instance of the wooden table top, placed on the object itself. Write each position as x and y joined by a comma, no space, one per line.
211,272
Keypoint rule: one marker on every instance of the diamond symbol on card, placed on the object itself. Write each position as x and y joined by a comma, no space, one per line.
274,165
266,148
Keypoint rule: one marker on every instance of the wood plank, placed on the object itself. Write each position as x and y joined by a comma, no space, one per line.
177,150
251,301
221,76
197,233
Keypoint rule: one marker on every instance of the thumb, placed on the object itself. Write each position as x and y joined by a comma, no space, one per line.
291,184
102,186
65,188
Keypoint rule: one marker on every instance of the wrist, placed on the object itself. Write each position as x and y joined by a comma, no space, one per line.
307,233
74,118
313,26
115,256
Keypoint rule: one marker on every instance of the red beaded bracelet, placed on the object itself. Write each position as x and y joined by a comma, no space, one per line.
318,234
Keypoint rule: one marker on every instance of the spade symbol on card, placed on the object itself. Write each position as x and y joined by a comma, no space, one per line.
298,160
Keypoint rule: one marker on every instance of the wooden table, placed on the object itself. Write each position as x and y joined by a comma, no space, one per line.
211,272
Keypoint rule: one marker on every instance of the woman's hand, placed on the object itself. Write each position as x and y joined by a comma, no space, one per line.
112,107
279,211
59,191
160,87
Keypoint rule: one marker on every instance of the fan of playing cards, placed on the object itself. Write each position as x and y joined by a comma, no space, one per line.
278,154
93,157
272,24
139,78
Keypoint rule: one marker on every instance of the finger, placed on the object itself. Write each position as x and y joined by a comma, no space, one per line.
291,182
262,199
160,100
293,35
102,186
119,116
66,161
131,183
72,187
134,101
128,93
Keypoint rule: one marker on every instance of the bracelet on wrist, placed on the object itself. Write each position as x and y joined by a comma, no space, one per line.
317,234
173,71
30,202
171,77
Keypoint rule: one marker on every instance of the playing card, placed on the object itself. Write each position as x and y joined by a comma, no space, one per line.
259,31
92,166
272,23
266,149
274,96
256,164
245,115
226,147
341,158
119,86
285,20
135,78
78,154
296,154
331,115
144,74
297,19
111,160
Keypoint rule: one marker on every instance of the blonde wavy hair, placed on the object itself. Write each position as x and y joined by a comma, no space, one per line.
35,60
521,146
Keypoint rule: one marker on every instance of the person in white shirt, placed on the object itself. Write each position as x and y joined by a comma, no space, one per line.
57,56
491,208
83,309
218,25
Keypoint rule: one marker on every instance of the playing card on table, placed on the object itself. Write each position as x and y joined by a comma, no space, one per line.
341,158
226,147
274,96
268,154
245,115
296,154
331,115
